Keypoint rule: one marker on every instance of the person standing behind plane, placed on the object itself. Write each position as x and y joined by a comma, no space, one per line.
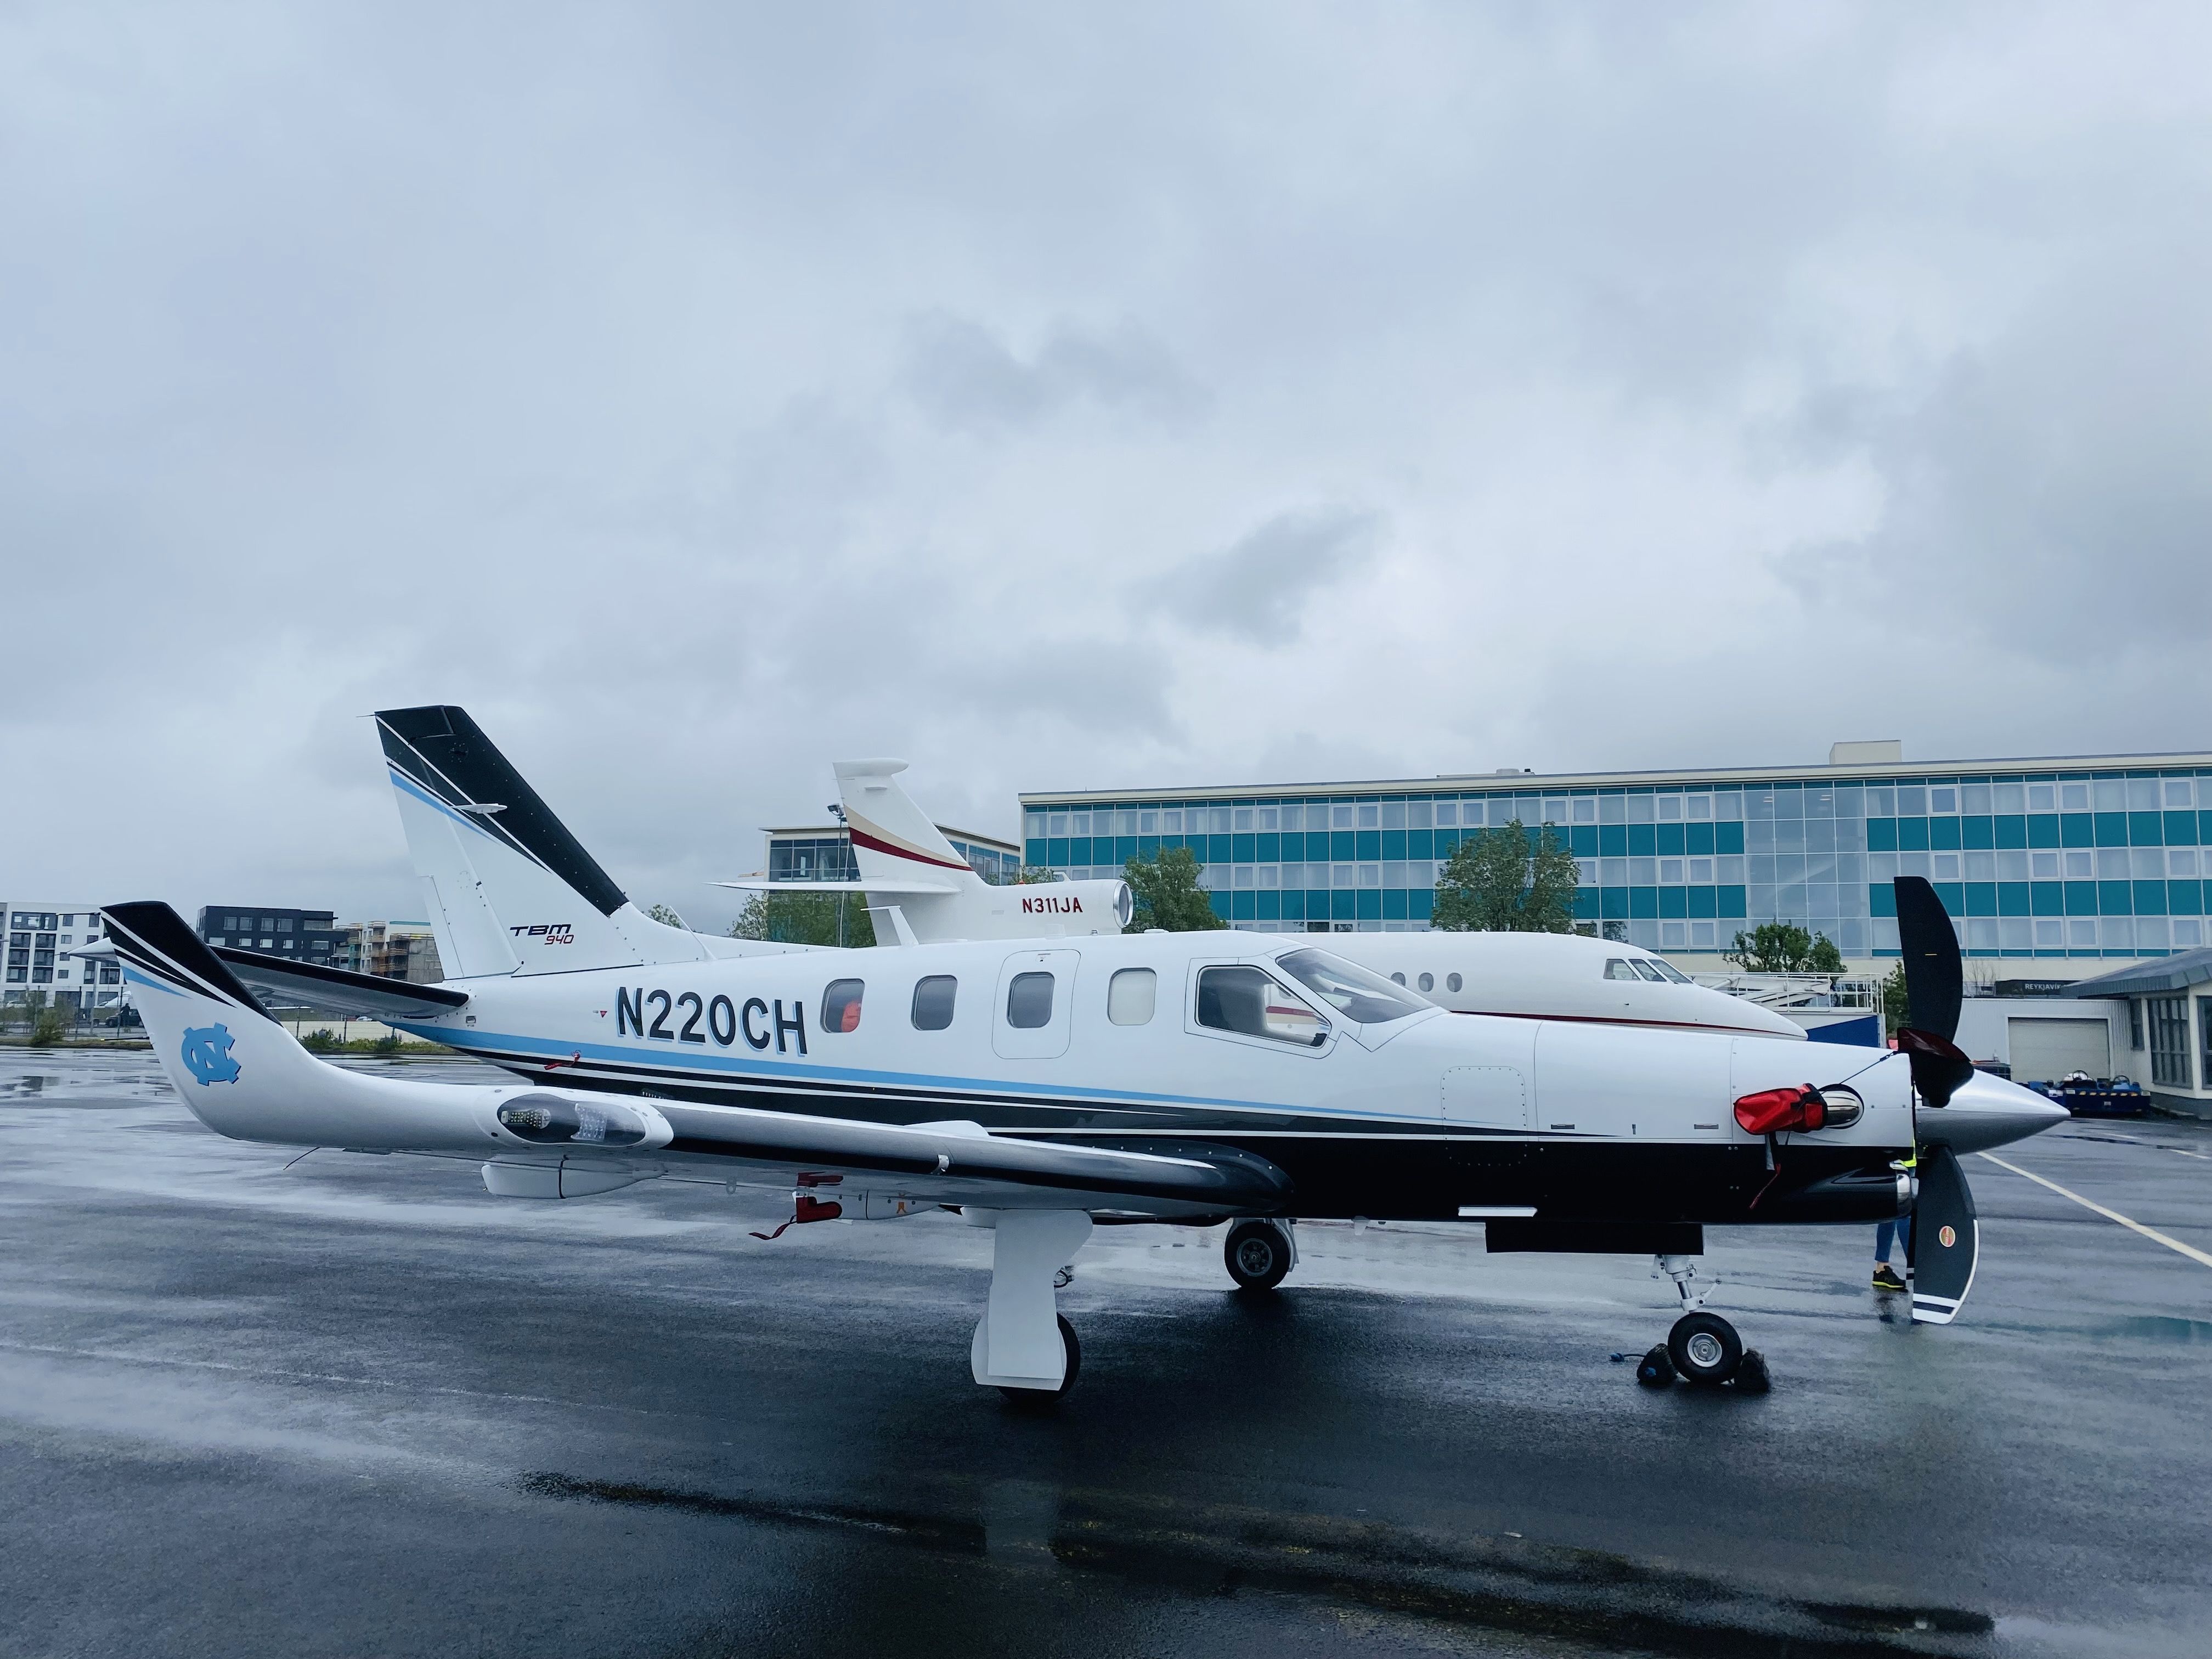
1887,1278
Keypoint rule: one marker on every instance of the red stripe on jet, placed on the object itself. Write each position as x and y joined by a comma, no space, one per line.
862,838
1611,1019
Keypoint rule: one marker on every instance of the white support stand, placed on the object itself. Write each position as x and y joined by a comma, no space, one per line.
1017,1343
1683,1270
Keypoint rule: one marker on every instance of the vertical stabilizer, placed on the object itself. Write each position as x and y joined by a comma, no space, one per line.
510,889
901,855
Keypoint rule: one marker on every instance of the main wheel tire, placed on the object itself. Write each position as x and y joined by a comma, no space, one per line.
1656,1370
1257,1255
1039,1399
1704,1347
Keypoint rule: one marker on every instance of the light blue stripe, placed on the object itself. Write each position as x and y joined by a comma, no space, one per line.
745,1068
407,785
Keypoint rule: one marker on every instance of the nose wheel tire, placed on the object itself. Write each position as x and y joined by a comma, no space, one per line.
1043,1399
1257,1255
1705,1348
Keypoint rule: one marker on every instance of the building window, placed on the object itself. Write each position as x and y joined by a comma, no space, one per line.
2204,1038
2169,1042
2135,1023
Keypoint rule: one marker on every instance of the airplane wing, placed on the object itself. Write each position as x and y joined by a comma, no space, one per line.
763,885
335,990
962,1163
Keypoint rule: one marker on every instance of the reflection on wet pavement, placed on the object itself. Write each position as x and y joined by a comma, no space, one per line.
256,1403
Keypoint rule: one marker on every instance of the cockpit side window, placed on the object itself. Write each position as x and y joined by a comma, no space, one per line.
1618,968
1669,972
1649,972
1249,1002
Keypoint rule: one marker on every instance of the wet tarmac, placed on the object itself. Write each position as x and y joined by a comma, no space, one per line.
356,1405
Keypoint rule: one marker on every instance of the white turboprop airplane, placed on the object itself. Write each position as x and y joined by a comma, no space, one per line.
920,891
1041,1087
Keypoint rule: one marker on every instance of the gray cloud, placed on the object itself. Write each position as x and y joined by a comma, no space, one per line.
701,392
968,378
1257,587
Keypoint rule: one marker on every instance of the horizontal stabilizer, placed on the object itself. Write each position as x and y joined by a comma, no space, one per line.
336,990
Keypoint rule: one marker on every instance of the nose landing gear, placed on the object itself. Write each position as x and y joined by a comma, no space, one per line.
1703,1347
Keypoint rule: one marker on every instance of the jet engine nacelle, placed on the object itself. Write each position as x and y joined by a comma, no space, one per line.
1071,907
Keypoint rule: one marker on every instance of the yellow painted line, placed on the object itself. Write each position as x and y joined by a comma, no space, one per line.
2188,1250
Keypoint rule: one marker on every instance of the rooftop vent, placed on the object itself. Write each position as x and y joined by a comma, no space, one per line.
1874,752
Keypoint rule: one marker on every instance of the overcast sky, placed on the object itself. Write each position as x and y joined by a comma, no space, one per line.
1070,396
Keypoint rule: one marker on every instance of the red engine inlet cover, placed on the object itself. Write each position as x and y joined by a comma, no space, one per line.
1777,1111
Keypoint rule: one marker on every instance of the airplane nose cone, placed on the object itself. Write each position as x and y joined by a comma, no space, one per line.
1989,1111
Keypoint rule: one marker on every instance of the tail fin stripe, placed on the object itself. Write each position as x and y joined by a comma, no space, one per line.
878,840
180,960
481,824
452,798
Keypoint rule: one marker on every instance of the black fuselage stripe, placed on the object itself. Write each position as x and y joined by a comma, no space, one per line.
1136,1119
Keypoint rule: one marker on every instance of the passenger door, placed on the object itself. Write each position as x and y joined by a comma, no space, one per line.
1031,1008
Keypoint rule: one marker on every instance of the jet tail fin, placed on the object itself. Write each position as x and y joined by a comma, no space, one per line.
893,840
509,888
921,890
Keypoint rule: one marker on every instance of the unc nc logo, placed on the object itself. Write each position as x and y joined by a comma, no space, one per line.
207,1055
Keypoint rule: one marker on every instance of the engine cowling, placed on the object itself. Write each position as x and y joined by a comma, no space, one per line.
1074,906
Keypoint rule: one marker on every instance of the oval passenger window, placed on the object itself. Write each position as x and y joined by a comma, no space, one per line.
841,1005
932,1002
1029,1002
1130,996
1397,979
1451,982
1428,982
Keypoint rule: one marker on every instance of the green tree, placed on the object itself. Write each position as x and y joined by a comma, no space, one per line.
1783,947
664,914
806,919
49,1026
1166,893
1896,1003
1508,881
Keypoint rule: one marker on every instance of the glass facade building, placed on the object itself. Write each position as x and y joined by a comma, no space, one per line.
824,852
2092,857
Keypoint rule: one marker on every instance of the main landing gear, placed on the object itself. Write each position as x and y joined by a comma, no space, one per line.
1023,1345
1703,1347
1259,1253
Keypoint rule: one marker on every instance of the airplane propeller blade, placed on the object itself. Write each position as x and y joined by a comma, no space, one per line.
1945,1240
1934,985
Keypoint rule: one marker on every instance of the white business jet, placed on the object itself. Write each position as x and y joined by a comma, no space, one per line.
1040,1087
919,891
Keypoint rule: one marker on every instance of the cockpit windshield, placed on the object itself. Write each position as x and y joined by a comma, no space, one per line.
1364,998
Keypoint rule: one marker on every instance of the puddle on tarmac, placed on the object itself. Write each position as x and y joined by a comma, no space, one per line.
1484,1582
